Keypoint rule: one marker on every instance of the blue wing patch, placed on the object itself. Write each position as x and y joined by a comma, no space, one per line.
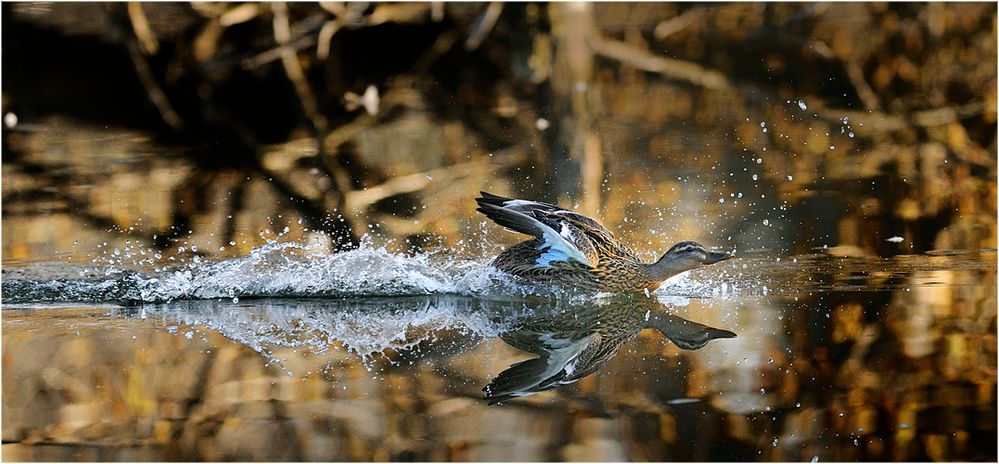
557,248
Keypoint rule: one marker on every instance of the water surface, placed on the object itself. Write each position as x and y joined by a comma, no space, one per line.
282,355
210,256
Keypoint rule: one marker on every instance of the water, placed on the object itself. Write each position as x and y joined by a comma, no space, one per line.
392,352
278,278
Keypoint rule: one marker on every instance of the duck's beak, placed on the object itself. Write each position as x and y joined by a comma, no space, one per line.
716,256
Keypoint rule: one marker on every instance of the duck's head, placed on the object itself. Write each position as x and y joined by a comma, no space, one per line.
695,252
685,256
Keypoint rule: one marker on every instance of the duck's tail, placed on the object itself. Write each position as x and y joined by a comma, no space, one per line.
490,199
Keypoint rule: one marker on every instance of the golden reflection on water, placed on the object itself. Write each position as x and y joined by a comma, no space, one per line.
844,357
917,382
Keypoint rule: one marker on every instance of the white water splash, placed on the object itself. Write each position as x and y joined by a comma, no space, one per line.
292,269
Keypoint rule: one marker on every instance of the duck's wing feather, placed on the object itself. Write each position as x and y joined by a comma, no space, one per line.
541,211
579,239
544,373
561,240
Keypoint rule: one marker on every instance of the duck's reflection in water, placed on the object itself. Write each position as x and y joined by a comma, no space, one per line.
574,341
572,338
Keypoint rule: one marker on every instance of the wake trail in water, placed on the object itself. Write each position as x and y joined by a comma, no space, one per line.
272,270
288,269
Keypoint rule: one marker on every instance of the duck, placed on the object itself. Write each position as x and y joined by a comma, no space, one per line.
573,250
576,342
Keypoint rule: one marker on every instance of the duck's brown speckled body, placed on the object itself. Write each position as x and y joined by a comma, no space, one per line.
572,250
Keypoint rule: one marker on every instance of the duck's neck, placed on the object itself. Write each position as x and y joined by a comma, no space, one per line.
668,267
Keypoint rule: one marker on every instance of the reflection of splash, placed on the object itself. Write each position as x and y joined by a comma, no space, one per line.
363,326
573,338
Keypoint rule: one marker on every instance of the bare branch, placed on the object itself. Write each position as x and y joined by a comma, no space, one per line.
153,90
678,23
872,122
140,25
669,67
293,68
239,14
484,26
357,200
325,37
276,53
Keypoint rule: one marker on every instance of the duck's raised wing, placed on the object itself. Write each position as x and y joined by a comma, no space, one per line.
561,239
545,212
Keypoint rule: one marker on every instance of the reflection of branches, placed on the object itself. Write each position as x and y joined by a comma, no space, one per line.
70,205
293,67
358,200
678,23
143,40
140,25
277,53
669,67
484,26
874,121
